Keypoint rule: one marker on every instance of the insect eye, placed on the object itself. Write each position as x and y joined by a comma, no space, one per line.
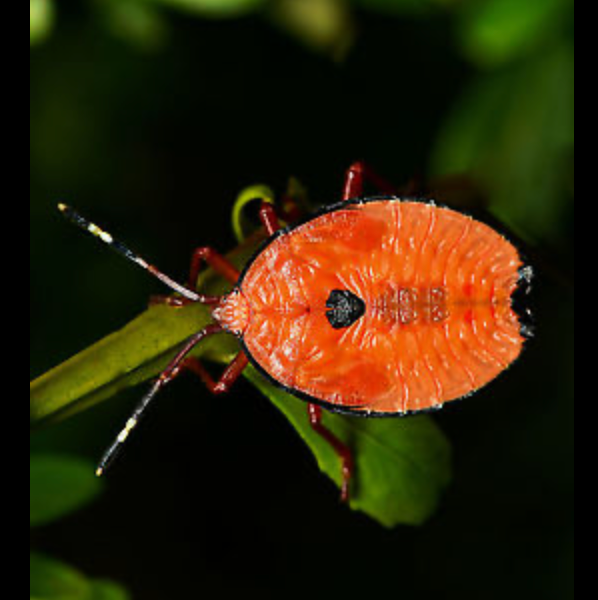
345,309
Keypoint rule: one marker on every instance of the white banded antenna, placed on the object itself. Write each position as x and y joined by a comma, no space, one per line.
99,233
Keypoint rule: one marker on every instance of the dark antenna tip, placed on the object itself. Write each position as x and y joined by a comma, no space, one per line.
105,237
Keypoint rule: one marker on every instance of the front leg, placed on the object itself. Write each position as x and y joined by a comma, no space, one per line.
214,259
269,218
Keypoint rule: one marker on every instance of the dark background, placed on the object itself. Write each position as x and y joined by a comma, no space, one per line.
154,136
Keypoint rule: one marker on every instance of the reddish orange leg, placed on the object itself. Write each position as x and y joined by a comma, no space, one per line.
229,377
219,263
269,218
342,450
357,176
168,375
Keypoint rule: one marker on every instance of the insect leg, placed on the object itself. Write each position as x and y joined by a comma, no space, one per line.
342,450
357,176
269,218
219,263
171,372
228,378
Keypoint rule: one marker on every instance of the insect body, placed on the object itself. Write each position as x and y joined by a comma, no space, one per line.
380,306
374,307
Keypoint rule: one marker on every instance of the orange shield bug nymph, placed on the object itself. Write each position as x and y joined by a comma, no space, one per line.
376,306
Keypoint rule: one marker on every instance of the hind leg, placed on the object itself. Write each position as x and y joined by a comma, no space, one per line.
228,378
342,450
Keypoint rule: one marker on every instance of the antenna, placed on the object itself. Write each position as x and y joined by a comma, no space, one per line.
76,219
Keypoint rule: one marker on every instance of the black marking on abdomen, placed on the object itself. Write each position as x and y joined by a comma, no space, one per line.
345,309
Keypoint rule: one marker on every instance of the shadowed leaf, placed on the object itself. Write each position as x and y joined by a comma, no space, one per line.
403,465
41,18
50,579
58,485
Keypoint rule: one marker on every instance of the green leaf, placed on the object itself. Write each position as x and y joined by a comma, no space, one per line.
59,485
513,132
137,22
496,31
246,198
127,358
50,579
403,466
41,19
323,26
107,590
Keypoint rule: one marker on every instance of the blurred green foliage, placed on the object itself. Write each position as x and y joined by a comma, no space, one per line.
50,579
493,32
154,113
41,17
512,128
512,131
59,486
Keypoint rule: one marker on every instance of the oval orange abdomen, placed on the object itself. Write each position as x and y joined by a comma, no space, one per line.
382,306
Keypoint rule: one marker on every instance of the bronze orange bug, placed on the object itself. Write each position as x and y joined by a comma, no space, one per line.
375,306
